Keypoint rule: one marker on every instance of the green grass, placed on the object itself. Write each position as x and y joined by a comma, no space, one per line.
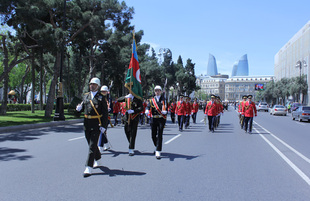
26,117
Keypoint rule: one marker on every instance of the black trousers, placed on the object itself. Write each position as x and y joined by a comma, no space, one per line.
131,131
248,122
102,139
242,121
180,121
115,118
172,117
211,122
157,132
186,121
194,116
93,151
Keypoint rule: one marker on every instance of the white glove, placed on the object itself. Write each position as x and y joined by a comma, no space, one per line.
79,107
109,109
147,112
206,115
186,114
102,130
130,111
129,96
164,112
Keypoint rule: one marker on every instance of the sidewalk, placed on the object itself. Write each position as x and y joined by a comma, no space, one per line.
39,125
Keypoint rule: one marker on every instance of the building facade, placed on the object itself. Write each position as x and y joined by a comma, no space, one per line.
210,85
236,87
232,89
295,50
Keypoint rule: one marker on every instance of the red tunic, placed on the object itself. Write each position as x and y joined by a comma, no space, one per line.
211,109
195,108
116,107
241,106
249,109
180,108
188,108
172,107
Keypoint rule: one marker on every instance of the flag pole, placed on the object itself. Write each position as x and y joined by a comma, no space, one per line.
131,71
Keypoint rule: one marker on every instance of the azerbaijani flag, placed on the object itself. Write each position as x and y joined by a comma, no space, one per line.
133,78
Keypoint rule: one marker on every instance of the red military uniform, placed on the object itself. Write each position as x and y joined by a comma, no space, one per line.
172,107
180,108
195,107
211,109
249,109
188,108
116,107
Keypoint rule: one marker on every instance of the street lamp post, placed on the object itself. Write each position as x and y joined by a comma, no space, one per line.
59,111
299,65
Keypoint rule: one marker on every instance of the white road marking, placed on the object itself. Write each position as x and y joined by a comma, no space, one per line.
76,138
285,144
201,120
288,161
175,137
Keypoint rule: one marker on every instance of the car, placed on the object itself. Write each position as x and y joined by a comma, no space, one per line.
278,109
301,113
263,106
294,106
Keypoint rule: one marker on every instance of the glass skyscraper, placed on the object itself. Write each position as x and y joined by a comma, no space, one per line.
241,68
212,67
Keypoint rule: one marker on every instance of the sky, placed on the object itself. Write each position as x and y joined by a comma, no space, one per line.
227,29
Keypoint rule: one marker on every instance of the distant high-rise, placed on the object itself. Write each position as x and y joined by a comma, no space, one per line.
234,70
243,67
212,67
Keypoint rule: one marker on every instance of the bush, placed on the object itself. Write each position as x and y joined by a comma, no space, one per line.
27,107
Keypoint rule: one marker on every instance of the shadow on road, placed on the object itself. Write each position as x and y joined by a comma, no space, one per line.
115,172
172,156
8,154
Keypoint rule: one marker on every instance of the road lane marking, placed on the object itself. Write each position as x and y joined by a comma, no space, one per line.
288,161
175,137
285,144
77,138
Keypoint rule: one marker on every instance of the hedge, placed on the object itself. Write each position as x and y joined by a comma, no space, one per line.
25,107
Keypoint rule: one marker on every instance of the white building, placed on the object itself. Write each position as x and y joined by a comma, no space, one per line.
210,85
296,49
238,86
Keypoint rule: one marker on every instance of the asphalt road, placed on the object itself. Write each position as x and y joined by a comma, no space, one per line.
271,164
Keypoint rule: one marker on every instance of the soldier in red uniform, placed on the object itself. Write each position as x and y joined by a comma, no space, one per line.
180,111
195,107
211,112
116,110
241,114
219,112
249,110
172,107
188,111
142,114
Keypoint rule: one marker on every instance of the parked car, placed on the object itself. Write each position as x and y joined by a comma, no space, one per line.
263,106
301,113
278,109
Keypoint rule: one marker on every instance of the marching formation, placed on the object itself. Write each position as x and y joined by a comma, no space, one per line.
97,105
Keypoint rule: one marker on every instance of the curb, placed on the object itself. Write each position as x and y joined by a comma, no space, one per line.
39,125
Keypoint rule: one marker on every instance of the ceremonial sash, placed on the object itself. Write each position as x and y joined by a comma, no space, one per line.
157,108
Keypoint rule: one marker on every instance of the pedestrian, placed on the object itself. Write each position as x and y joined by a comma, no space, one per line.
133,108
211,112
172,107
195,110
180,111
95,121
249,110
157,107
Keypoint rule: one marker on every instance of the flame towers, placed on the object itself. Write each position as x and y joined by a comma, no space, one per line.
212,67
242,68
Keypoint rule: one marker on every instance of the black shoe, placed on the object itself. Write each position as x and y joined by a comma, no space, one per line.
158,157
131,154
86,175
